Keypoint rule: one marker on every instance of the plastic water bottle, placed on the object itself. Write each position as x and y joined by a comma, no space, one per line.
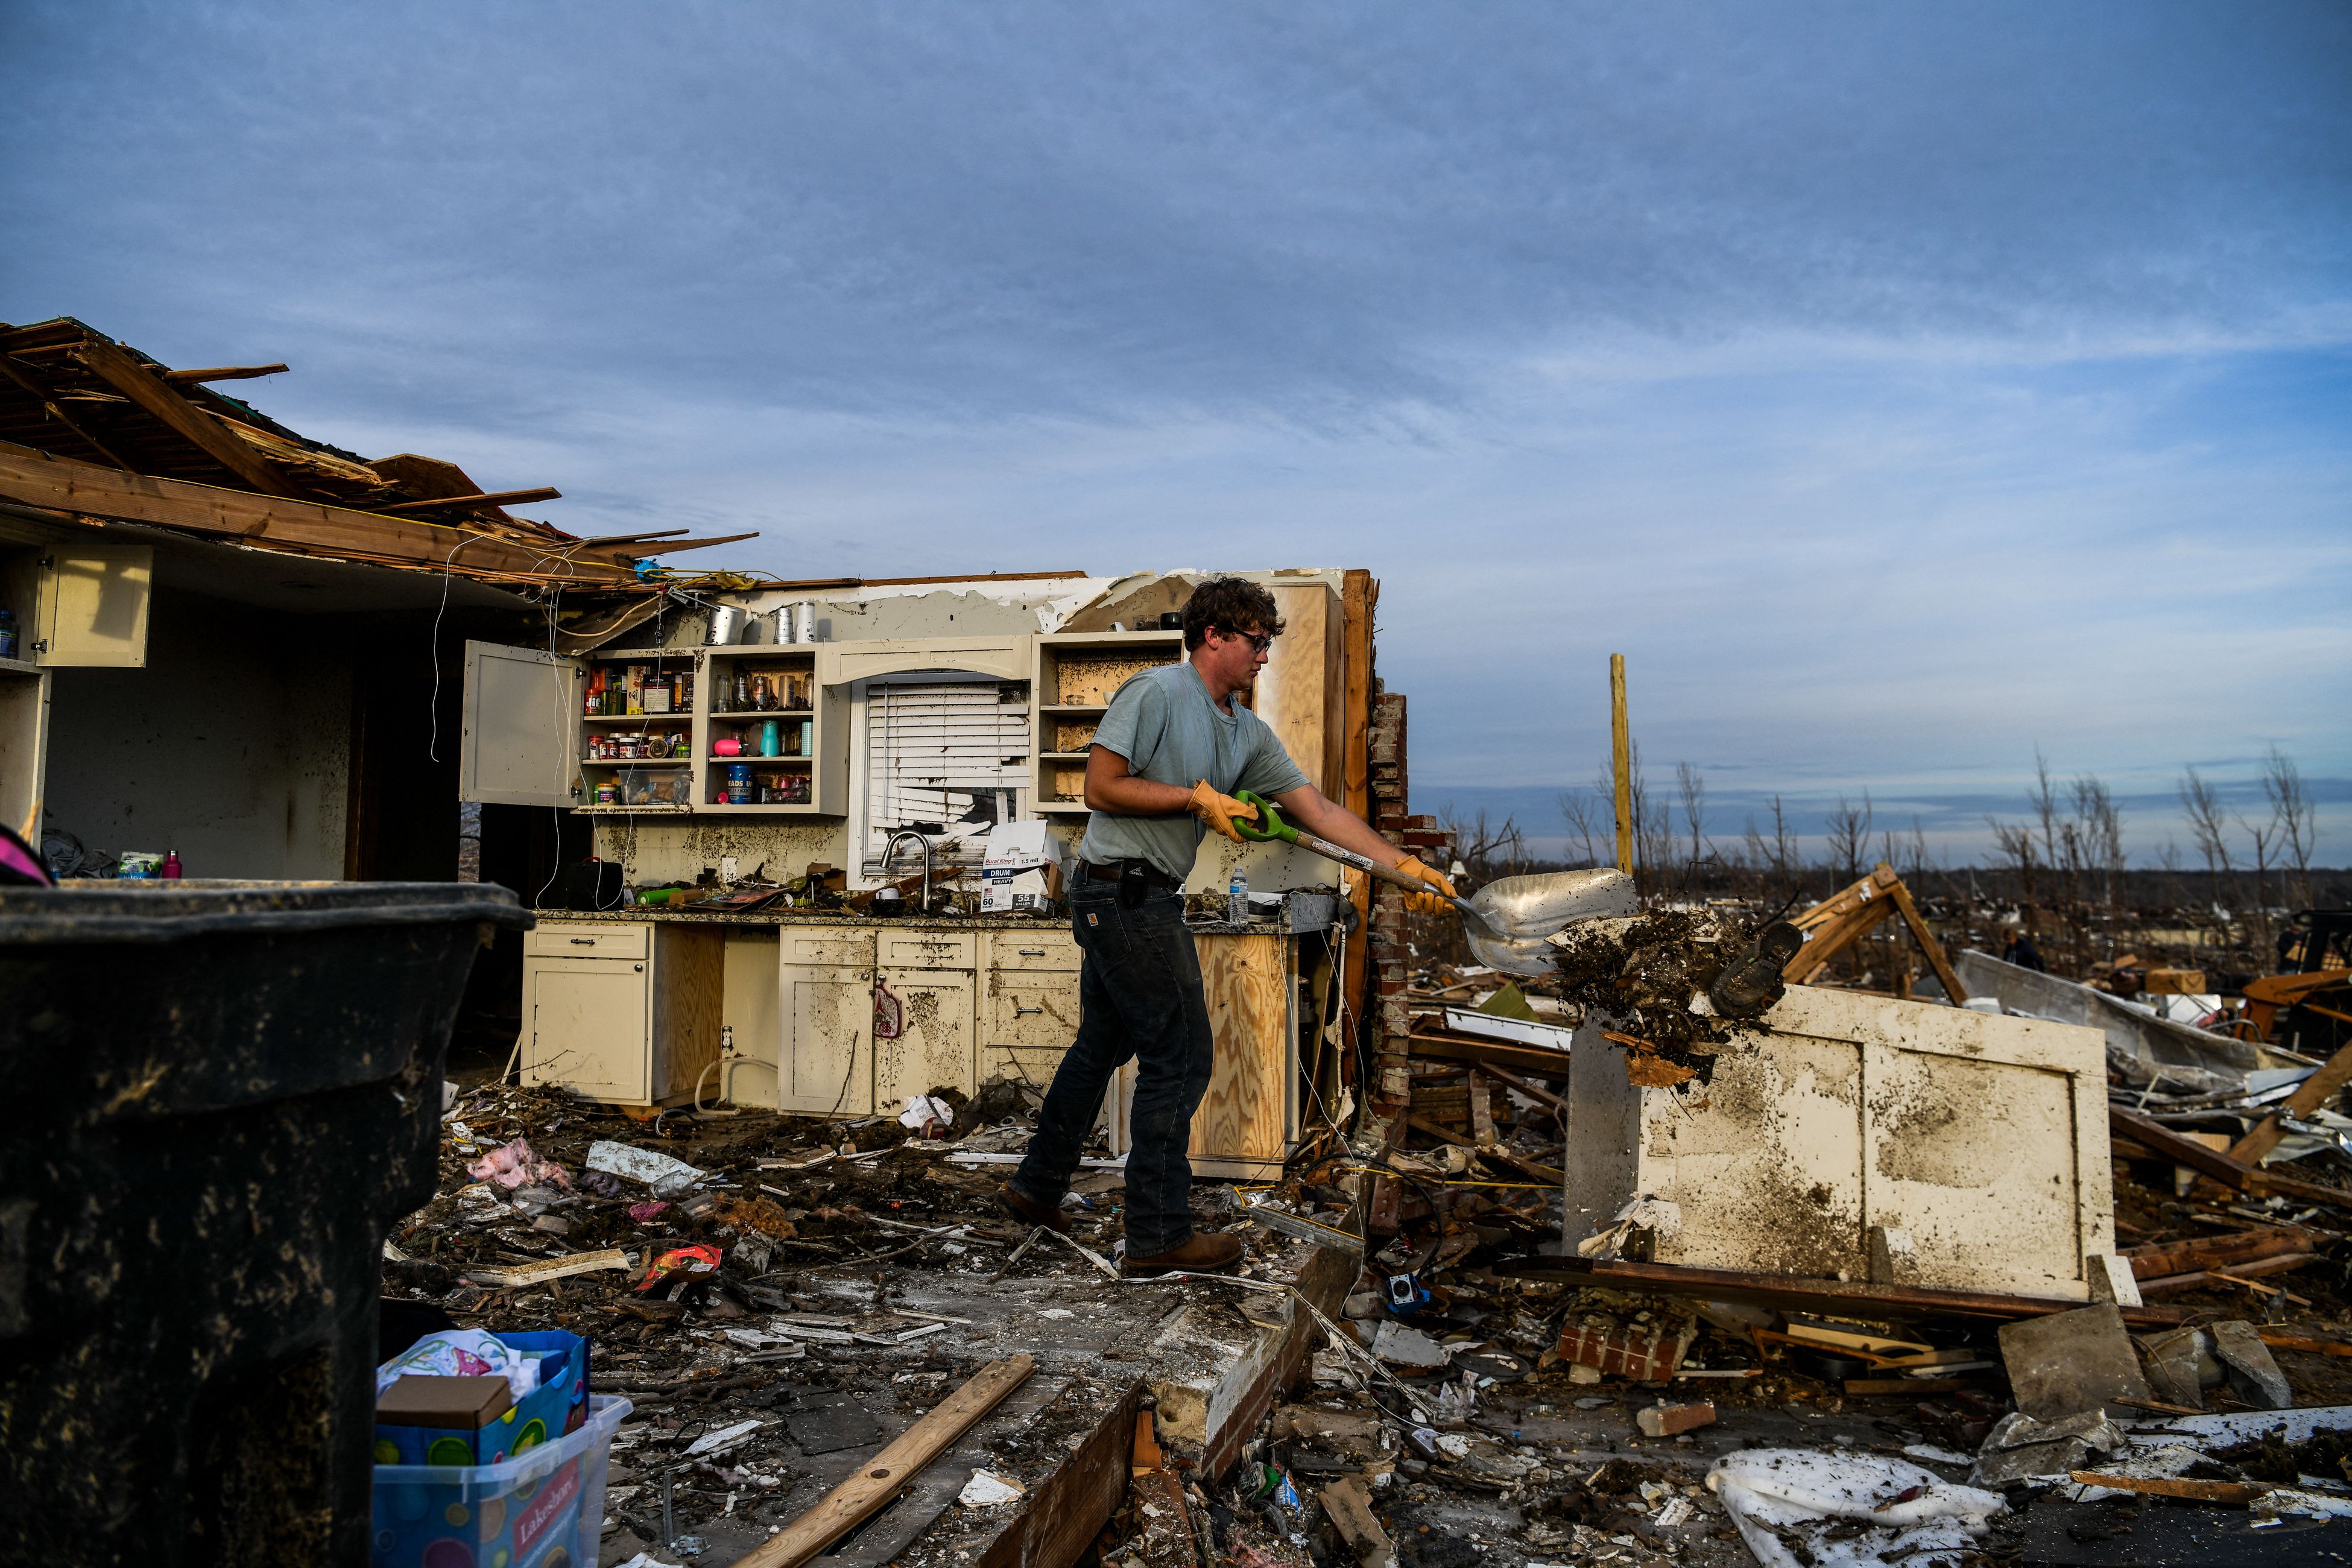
1237,898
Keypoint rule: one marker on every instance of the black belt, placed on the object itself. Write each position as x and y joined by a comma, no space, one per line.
1152,875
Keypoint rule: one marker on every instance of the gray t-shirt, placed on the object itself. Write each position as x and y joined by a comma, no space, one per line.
1170,730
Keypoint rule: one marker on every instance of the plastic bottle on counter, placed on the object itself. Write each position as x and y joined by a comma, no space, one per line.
1237,898
170,867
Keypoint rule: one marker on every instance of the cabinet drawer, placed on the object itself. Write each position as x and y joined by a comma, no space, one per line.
839,949
584,938
1019,1012
926,949
1049,948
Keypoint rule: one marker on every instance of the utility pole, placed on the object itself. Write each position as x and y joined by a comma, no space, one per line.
1620,751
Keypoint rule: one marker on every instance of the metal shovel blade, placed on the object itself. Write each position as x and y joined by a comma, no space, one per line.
1520,913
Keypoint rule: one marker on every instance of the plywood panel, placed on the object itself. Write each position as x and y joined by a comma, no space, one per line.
689,1004
1242,1126
1302,692
1086,677
1074,735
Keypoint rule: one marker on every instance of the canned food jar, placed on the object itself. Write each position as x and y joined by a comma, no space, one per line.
608,795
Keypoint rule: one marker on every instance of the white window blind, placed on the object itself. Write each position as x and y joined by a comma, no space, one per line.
933,743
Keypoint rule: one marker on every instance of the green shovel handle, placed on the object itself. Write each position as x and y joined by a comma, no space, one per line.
1269,828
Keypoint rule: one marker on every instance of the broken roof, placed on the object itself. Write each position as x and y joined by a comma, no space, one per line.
93,428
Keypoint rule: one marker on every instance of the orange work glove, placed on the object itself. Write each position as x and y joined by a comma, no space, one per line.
1219,810
1426,903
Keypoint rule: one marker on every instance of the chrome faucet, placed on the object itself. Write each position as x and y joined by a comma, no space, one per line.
890,853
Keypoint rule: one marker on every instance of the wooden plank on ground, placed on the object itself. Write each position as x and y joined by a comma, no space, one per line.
2213,1163
2309,1096
547,1268
1068,1509
885,1476
2158,1259
1438,1045
1350,1508
1835,1297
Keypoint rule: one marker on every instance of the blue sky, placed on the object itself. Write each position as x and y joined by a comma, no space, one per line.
1899,389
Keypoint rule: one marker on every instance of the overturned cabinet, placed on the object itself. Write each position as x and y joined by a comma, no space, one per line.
1848,1136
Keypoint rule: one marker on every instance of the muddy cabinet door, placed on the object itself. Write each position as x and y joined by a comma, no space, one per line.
521,742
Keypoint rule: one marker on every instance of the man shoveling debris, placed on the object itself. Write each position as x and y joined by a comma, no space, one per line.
1173,744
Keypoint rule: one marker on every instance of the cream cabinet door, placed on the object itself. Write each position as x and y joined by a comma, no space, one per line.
519,744
828,1066
934,1047
590,1028
92,608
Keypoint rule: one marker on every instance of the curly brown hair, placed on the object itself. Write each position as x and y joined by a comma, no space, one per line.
1230,605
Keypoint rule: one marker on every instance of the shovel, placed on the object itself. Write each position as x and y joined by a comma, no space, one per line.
1270,829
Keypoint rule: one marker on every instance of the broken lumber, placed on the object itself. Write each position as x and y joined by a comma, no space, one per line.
2168,1284
2171,1145
2159,1259
1837,1298
2230,1494
1443,1045
221,373
1350,1508
2309,1096
888,1473
547,1268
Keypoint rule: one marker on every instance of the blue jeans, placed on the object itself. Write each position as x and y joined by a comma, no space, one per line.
1140,997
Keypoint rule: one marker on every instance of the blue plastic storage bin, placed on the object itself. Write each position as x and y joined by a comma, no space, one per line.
543,1509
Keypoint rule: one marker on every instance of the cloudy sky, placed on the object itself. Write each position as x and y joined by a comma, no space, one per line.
1900,388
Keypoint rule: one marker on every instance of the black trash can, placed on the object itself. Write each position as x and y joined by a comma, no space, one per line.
219,1095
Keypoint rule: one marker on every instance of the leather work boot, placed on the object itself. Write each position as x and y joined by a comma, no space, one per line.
1751,983
1029,1211
1200,1254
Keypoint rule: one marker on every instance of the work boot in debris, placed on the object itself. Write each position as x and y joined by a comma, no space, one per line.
1200,1254
1029,1211
1751,983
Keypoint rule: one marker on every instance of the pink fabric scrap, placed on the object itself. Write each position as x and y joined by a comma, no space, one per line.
513,1165
646,1212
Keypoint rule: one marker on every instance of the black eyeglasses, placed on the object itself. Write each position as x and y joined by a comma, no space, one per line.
1257,644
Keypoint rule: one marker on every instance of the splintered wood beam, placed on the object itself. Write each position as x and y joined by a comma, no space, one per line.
488,497
62,484
676,545
889,1472
634,538
1827,942
223,373
22,377
1953,991
2171,1145
135,381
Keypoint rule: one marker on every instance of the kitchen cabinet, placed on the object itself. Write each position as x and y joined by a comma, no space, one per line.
529,735
825,984
624,1012
1071,686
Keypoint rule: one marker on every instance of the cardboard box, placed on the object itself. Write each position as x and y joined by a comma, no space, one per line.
557,1406
1024,870
452,1403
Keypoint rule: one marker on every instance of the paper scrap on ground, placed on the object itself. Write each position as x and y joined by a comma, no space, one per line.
987,1490
922,1110
725,1438
1908,1510
665,1176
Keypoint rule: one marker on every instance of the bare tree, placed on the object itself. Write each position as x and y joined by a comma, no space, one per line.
2296,817
1849,837
1590,821
1486,850
2207,825
1693,788
1774,858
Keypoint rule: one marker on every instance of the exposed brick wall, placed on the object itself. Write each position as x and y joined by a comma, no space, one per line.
1392,959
